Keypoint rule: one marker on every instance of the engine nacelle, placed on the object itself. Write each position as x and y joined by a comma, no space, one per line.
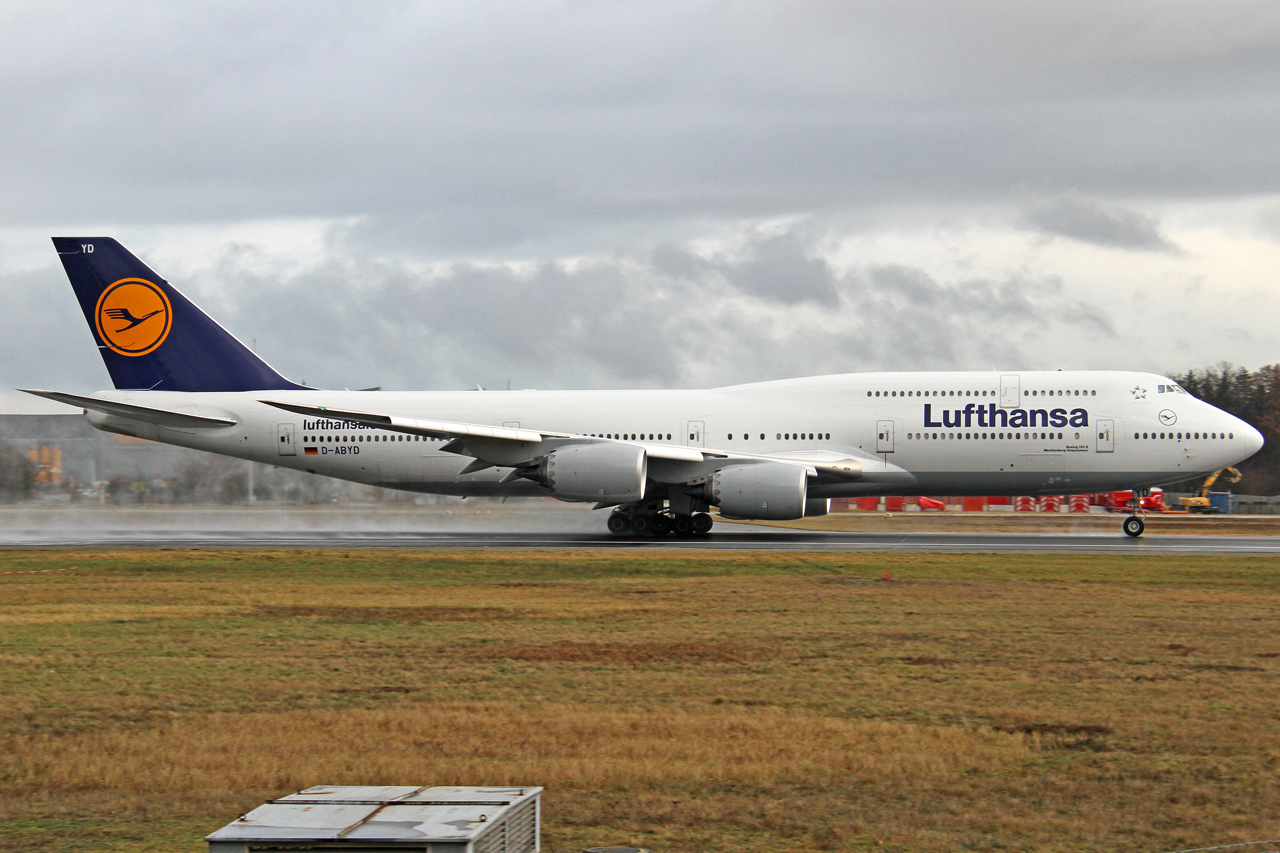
773,491
816,506
612,473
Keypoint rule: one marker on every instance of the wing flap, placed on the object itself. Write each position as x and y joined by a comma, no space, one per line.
671,451
160,417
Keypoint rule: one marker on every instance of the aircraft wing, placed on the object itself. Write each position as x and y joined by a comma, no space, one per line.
161,417
482,432
508,446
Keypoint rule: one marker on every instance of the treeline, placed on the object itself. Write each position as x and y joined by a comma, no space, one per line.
1254,397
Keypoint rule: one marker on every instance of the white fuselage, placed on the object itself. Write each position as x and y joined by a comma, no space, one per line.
915,433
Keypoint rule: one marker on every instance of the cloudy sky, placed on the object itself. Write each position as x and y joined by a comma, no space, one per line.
646,194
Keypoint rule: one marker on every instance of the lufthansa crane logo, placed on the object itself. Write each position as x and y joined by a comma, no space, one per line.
133,316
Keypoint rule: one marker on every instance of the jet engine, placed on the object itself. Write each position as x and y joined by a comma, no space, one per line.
774,491
613,473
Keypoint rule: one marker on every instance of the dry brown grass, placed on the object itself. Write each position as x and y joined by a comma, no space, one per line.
626,654
565,747
684,702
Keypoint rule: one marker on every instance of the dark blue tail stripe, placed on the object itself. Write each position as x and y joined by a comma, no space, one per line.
195,355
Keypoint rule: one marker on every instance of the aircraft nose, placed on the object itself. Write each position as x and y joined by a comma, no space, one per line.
1252,438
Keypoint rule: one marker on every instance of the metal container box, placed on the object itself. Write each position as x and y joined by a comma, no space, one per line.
378,819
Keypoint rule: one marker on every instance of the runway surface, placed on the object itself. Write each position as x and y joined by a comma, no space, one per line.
544,530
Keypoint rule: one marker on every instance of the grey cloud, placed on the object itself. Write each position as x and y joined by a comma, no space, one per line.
1092,222
667,318
468,134
495,128
783,270
973,323
44,342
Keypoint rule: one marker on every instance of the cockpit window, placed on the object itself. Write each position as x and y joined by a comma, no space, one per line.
1170,388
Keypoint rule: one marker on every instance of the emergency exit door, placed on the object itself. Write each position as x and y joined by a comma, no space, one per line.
1106,436
285,440
694,429
1010,392
884,436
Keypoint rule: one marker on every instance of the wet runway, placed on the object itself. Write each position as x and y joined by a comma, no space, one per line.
544,530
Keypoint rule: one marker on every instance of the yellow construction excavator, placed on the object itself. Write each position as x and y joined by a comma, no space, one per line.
1200,503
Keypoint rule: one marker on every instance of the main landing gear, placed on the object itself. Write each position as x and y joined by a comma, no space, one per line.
623,522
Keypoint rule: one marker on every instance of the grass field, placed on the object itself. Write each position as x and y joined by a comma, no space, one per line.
678,701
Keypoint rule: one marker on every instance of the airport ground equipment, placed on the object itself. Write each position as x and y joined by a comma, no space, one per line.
1203,502
383,819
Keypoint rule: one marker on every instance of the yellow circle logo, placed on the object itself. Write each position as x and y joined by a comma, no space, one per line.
133,316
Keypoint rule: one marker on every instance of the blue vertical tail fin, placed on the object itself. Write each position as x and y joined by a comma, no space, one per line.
150,335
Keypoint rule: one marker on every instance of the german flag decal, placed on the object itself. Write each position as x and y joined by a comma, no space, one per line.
310,451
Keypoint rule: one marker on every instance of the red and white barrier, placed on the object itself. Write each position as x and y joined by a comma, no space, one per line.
1051,503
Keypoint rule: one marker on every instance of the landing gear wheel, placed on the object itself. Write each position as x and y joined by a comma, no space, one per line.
661,525
641,524
702,523
1134,526
618,524
683,525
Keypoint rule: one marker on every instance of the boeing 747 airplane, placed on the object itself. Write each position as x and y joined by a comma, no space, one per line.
660,459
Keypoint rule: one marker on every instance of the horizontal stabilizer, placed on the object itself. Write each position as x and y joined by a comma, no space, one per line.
160,417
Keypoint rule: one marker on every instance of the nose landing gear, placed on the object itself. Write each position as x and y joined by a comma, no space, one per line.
1134,525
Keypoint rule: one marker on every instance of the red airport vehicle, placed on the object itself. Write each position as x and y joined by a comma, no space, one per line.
1119,501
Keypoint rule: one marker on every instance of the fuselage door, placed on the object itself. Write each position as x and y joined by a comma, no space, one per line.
884,436
1010,392
1106,436
695,430
285,440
